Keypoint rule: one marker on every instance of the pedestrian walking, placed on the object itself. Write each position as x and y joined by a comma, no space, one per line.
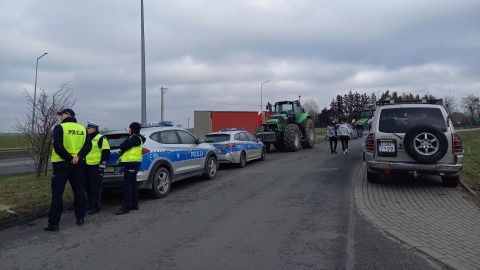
131,159
332,135
96,161
344,135
71,144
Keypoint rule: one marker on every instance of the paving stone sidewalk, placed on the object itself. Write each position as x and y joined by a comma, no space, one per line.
441,222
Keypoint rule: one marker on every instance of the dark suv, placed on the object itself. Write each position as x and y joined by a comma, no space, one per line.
416,137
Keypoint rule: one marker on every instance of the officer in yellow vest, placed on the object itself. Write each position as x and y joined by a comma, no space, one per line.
131,159
71,144
96,160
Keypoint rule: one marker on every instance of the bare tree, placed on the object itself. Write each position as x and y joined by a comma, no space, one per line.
471,107
450,104
39,139
311,108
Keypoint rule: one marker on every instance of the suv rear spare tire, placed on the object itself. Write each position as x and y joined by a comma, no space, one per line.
425,143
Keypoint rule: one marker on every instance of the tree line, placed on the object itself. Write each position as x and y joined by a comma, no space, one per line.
463,112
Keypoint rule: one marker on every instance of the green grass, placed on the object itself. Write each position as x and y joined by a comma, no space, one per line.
27,196
9,141
471,167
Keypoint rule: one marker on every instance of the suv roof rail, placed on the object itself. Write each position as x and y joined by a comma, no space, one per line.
383,102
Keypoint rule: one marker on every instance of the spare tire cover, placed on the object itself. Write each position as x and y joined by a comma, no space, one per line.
425,143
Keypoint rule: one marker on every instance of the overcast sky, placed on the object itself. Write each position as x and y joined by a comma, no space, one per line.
214,54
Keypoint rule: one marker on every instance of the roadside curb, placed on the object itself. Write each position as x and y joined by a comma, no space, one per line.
465,185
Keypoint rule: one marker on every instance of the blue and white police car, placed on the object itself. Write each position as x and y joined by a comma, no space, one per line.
169,154
235,145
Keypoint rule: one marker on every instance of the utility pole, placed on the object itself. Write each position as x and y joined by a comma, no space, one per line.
163,90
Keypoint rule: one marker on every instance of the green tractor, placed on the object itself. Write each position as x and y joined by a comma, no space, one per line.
287,128
365,115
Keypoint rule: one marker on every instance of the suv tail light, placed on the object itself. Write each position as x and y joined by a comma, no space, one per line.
457,144
370,142
144,151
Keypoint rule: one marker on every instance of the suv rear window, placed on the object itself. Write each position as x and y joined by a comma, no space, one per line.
213,138
400,120
114,140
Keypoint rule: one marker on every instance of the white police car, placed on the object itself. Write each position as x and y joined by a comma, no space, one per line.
235,145
169,154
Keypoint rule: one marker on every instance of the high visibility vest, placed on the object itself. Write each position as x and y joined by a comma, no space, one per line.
133,154
94,156
74,137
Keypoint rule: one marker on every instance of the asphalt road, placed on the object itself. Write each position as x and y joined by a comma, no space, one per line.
292,211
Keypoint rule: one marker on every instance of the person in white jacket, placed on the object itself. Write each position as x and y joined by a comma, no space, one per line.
344,135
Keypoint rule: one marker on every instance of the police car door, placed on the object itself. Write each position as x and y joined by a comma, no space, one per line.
254,146
175,152
195,153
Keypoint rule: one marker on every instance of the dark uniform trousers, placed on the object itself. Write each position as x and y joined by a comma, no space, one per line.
93,186
130,196
76,176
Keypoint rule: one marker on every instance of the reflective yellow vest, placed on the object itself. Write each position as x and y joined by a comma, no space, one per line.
94,156
133,154
74,137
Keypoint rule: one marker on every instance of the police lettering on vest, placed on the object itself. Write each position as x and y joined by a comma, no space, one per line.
74,136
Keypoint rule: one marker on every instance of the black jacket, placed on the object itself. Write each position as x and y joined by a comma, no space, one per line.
130,142
57,138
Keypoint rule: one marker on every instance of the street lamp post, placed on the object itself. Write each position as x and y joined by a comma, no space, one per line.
144,91
261,98
35,91
163,90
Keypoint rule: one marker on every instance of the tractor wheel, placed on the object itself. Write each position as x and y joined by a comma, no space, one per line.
309,135
292,138
258,129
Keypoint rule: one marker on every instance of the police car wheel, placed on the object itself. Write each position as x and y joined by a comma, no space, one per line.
211,167
243,160
161,183
264,153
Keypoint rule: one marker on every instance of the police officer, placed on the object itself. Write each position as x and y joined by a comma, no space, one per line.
131,159
71,144
96,160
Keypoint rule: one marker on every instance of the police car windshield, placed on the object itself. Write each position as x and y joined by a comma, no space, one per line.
213,138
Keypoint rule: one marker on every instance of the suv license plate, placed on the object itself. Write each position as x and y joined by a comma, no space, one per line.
387,148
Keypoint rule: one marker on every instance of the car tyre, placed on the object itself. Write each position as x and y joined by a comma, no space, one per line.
373,177
264,154
161,183
425,143
211,168
243,160
450,181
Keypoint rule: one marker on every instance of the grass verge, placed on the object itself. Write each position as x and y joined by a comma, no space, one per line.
24,197
471,167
